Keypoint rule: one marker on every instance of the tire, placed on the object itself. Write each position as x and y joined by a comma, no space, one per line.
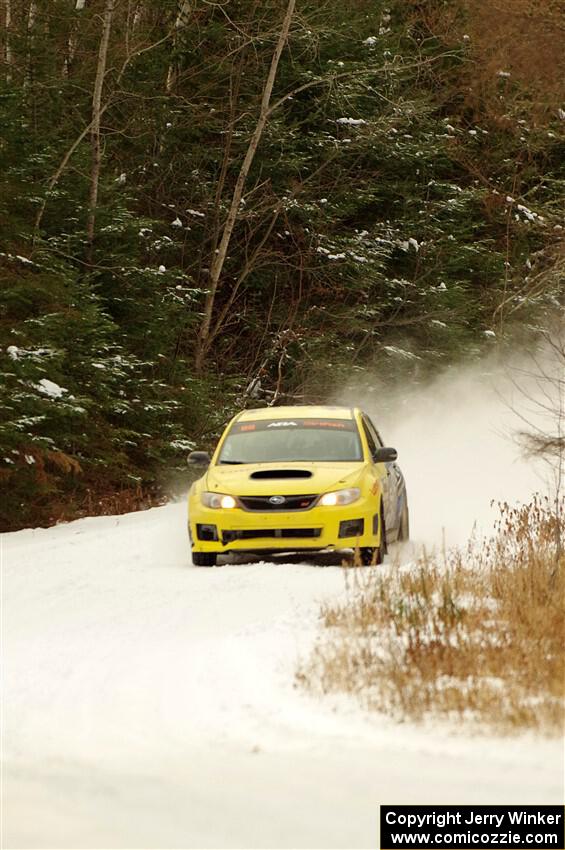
404,530
375,555
204,559
370,556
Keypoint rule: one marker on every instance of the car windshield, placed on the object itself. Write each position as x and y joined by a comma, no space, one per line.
281,440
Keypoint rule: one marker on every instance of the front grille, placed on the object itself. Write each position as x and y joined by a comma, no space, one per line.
291,503
274,533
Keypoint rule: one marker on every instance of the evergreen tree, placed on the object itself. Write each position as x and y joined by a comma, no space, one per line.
401,208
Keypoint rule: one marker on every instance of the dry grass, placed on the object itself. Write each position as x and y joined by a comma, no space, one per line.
474,634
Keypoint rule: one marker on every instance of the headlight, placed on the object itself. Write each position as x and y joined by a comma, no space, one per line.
218,500
340,497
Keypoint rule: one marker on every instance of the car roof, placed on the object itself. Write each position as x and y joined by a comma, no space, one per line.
301,411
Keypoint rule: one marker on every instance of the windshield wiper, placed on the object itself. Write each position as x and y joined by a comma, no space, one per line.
232,461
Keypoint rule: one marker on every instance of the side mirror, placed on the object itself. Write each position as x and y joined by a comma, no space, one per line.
198,459
385,455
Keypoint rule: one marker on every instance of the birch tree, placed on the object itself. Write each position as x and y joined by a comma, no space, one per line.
95,126
181,21
7,39
72,43
221,252
30,25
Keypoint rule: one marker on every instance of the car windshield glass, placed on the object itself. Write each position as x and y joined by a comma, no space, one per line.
268,441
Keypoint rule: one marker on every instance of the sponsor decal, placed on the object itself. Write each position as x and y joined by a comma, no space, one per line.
282,425
326,423
306,424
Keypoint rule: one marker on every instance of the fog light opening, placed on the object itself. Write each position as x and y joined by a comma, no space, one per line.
207,532
351,528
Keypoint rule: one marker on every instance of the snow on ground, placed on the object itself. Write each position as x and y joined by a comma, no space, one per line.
151,704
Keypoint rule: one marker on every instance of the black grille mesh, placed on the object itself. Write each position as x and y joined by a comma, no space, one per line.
291,503
276,533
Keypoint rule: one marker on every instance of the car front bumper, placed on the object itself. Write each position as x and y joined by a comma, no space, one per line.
237,530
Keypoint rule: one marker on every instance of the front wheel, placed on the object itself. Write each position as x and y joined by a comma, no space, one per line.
370,557
204,559
375,555
404,530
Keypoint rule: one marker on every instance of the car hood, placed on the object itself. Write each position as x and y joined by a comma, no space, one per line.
280,478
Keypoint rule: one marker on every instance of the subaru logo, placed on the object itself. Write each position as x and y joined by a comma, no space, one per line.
277,500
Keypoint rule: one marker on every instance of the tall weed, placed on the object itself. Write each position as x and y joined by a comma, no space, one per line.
474,634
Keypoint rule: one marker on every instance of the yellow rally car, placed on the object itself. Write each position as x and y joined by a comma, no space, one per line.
297,478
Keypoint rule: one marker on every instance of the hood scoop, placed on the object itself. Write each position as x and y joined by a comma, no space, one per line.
263,474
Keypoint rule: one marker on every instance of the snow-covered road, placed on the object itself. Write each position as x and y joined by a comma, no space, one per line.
151,704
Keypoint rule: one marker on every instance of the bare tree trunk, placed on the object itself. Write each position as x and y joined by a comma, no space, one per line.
133,19
95,127
7,41
545,417
220,256
235,83
180,23
54,179
136,17
72,43
31,16
56,176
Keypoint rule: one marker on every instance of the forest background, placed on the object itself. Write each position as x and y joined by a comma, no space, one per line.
206,205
